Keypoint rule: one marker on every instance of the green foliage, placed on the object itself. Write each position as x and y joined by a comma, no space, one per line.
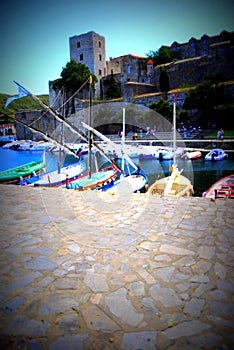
163,108
73,76
112,87
164,80
25,103
161,56
207,98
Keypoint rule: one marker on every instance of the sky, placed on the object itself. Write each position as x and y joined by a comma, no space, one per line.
34,40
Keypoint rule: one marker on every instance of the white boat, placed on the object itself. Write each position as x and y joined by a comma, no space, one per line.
192,155
55,178
223,188
174,185
216,154
129,171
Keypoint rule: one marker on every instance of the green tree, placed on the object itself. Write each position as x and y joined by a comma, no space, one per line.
164,80
207,98
161,56
112,87
163,108
73,76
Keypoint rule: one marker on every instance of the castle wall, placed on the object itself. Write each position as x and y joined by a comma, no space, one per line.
40,120
192,71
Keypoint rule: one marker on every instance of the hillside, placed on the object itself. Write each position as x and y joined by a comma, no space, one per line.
22,104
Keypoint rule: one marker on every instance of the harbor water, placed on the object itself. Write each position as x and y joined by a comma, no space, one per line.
201,173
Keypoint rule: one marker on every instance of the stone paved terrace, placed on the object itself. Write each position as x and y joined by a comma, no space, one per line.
81,270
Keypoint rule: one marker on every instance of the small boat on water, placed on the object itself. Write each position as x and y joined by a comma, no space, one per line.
216,154
92,181
223,188
192,155
174,185
54,178
14,175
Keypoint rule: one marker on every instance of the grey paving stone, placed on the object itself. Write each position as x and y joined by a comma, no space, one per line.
139,340
221,308
22,281
118,304
12,305
194,307
69,341
167,296
164,273
96,281
68,323
186,329
22,325
97,320
172,249
56,303
40,263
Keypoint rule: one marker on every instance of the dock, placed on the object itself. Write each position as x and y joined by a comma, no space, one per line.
86,270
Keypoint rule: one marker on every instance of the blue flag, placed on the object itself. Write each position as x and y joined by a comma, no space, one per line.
21,93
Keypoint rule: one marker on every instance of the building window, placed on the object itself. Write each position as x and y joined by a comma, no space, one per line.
100,72
204,53
192,54
100,57
192,43
100,44
78,44
81,57
129,69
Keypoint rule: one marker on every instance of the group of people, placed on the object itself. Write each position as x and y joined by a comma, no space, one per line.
220,134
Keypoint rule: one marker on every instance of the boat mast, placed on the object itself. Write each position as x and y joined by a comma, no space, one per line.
174,129
123,140
61,134
90,123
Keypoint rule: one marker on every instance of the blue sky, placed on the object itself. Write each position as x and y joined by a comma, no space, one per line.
35,34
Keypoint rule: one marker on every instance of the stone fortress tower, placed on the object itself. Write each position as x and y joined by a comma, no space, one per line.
89,49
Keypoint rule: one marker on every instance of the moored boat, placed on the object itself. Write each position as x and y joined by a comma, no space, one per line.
216,154
54,178
192,155
14,175
175,185
92,181
223,188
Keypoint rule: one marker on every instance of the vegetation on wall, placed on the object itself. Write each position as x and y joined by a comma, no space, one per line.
164,80
112,89
210,101
161,56
22,104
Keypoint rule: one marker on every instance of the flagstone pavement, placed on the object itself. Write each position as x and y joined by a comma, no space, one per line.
87,270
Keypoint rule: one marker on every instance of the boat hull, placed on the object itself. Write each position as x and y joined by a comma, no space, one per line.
14,175
223,188
175,185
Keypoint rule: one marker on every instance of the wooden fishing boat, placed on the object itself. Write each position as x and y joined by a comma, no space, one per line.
223,188
129,172
175,185
95,180
54,178
14,175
